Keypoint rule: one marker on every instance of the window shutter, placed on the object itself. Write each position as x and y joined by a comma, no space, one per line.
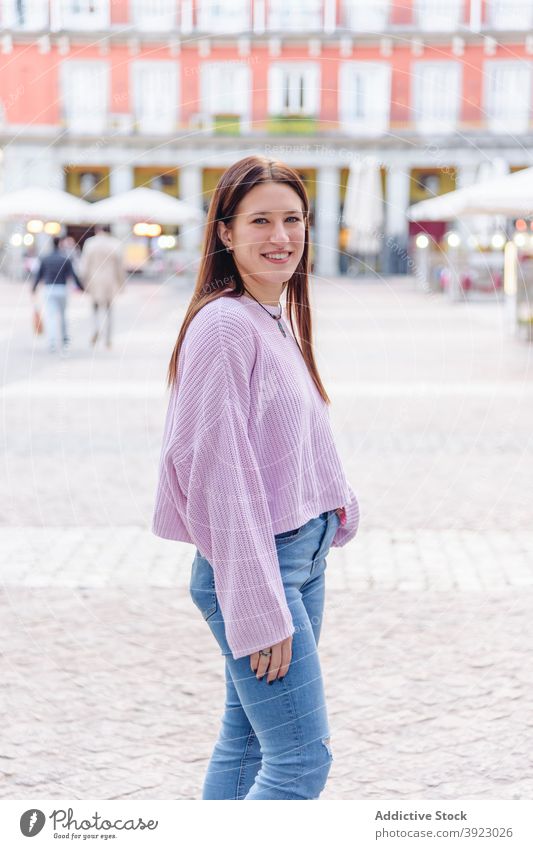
311,90
508,113
276,82
85,94
155,95
436,95
364,97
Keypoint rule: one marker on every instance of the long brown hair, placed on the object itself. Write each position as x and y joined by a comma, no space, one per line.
218,275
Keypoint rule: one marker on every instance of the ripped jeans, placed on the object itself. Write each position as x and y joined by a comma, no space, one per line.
274,739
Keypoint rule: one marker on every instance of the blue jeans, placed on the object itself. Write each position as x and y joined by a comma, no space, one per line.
55,303
274,738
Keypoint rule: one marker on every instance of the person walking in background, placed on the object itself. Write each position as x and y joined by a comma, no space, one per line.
102,270
55,269
344,259
70,247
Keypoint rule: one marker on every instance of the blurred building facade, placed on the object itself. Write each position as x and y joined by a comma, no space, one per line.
99,97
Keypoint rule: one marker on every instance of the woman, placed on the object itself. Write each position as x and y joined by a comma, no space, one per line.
250,475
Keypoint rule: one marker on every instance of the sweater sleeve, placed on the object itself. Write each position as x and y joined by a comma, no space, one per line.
222,495
347,532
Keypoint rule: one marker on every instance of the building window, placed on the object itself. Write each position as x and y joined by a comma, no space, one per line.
507,96
216,17
25,14
156,15
90,182
295,15
80,14
293,89
155,95
158,178
85,95
366,15
439,14
364,97
510,14
436,95
225,88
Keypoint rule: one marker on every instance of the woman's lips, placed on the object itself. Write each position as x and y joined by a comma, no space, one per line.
278,261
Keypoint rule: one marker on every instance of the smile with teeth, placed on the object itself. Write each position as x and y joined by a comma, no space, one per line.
278,256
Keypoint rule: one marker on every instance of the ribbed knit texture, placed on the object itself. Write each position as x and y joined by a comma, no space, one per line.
247,453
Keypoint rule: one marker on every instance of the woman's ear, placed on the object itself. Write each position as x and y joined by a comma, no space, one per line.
224,234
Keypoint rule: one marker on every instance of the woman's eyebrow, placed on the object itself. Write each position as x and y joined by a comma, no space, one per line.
268,211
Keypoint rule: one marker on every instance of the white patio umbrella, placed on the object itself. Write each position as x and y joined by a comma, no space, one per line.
441,208
511,195
45,204
144,204
483,226
363,207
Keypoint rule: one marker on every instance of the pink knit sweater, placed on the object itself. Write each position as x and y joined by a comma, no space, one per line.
247,453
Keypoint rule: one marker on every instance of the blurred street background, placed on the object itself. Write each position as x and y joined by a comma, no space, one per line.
417,159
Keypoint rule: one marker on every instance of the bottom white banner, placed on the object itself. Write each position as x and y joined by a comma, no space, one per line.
414,823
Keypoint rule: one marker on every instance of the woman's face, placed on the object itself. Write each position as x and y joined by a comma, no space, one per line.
267,234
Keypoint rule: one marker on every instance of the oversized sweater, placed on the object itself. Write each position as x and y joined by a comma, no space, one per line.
247,452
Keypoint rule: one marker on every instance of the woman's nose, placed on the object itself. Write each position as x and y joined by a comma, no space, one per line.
279,234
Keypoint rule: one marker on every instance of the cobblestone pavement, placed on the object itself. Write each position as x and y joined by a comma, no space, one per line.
112,686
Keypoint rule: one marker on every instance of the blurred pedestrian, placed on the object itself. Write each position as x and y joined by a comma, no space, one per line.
102,270
71,248
344,259
55,269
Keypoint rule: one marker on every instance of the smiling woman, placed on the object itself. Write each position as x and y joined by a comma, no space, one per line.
249,474
267,231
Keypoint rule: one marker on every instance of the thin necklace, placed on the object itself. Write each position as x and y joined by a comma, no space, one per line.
275,317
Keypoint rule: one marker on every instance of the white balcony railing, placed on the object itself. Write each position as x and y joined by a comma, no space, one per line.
367,16
438,15
154,15
215,17
25,14
510,14
295,16
80,15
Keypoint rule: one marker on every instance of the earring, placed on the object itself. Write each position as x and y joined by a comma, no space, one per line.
228,249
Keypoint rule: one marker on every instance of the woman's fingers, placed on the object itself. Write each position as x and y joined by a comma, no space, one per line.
259,663
262,666
286,657
275,663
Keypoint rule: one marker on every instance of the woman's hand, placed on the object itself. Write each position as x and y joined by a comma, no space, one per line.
276,664
341,513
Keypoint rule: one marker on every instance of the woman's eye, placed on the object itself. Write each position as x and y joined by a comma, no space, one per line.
293,217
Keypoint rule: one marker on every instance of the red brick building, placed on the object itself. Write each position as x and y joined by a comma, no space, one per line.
99,96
